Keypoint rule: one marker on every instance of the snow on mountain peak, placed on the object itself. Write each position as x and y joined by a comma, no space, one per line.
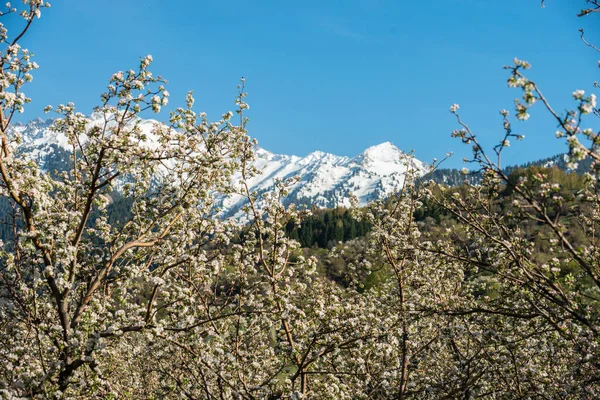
385,159
385,151
326,180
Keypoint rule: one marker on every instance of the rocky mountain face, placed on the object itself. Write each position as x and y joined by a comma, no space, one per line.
325,180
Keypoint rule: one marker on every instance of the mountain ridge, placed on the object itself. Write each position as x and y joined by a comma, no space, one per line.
325,180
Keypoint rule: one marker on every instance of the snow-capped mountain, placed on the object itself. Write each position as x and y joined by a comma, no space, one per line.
326,180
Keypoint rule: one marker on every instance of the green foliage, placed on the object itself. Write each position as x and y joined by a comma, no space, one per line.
325,228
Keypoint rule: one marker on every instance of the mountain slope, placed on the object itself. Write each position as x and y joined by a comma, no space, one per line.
325,180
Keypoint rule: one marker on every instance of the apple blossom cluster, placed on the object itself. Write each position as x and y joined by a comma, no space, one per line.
15,62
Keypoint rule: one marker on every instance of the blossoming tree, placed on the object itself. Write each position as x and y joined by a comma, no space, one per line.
172,301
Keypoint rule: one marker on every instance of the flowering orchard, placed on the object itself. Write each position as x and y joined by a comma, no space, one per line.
174,302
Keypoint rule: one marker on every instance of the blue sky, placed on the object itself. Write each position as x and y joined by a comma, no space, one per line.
330,75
